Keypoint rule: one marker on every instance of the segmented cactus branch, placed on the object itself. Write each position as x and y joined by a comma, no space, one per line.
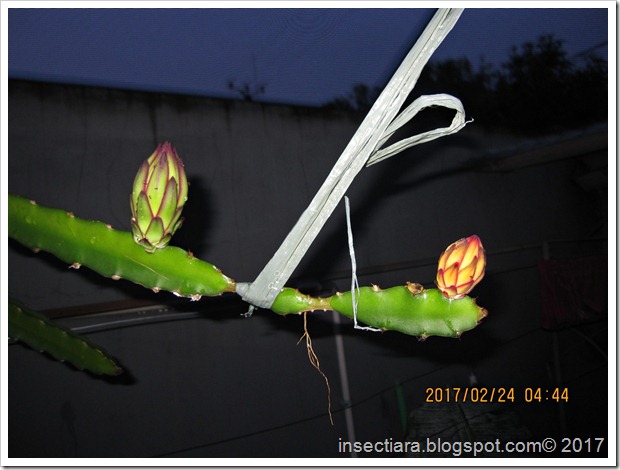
112,253
38,332
409,309
419,312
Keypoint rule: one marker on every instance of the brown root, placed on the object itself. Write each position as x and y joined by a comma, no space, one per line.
314,360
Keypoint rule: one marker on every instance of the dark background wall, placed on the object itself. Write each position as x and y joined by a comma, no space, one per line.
217,384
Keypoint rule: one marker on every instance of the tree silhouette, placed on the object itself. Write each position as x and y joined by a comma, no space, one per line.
537,91
360,99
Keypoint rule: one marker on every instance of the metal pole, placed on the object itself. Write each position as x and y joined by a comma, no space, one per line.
344,381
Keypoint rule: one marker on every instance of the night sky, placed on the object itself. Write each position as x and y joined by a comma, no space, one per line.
300,56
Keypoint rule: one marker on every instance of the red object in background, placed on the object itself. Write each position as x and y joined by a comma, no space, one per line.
573,291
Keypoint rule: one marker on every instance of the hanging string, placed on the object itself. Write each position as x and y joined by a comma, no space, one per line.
355,287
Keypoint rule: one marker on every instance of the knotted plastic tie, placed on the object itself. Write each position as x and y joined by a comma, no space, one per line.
364,149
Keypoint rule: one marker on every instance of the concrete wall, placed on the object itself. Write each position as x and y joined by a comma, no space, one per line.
221,385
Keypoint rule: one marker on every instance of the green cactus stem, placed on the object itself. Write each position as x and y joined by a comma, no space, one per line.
292,301
112,253
38,332
412,310
409,309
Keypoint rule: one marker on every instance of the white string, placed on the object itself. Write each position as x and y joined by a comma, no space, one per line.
355,287
368,138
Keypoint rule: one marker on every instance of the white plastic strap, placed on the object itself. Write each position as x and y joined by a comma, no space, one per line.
374,131
425,101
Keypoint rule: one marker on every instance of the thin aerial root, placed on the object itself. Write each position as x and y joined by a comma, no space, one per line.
314,360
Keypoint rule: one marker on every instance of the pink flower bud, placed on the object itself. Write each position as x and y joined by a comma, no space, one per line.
159,193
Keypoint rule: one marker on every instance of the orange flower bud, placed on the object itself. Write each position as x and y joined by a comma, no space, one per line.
461,267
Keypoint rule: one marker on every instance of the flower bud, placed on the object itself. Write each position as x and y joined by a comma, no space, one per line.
159,193
461,267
